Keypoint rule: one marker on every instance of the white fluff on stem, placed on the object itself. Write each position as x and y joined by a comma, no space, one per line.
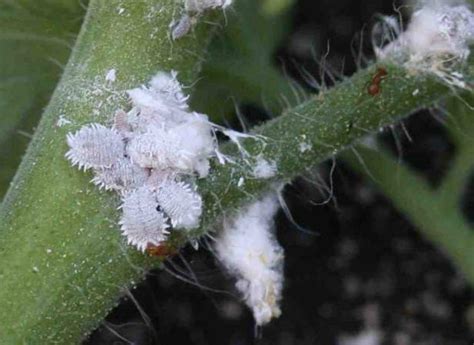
248,248
435,30
436,40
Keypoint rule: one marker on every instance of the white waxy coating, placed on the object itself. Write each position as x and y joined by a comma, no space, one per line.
248,248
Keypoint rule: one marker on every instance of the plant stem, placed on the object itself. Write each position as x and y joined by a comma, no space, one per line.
328,123
439,221
461,129
435,212
455,182
63,263
448,197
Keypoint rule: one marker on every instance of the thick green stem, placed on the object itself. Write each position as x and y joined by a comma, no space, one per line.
62,262
439,221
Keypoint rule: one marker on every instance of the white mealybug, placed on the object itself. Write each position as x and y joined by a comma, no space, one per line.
248,248
185,147
179,28
168,87
147,154
161,103
202,145
142,222
149,107
95,146
437,39
181,203
121,176
158,149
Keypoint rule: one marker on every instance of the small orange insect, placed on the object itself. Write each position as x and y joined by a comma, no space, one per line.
161,250
374,88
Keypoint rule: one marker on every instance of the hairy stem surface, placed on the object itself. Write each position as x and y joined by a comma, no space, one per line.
327,124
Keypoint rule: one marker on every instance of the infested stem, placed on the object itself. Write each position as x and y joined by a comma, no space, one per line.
63,265
447,197
328,123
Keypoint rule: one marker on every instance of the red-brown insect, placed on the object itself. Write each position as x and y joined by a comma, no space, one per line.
374,88
161,250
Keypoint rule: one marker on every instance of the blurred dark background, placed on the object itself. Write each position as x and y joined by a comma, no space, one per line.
363,277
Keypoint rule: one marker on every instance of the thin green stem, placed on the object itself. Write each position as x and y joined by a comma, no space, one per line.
456,179
440,222
448,197
327,123
461,129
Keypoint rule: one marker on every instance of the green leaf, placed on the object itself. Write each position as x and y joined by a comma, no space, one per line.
35,41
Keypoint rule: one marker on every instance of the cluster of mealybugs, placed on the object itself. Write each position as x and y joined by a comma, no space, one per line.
151,157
